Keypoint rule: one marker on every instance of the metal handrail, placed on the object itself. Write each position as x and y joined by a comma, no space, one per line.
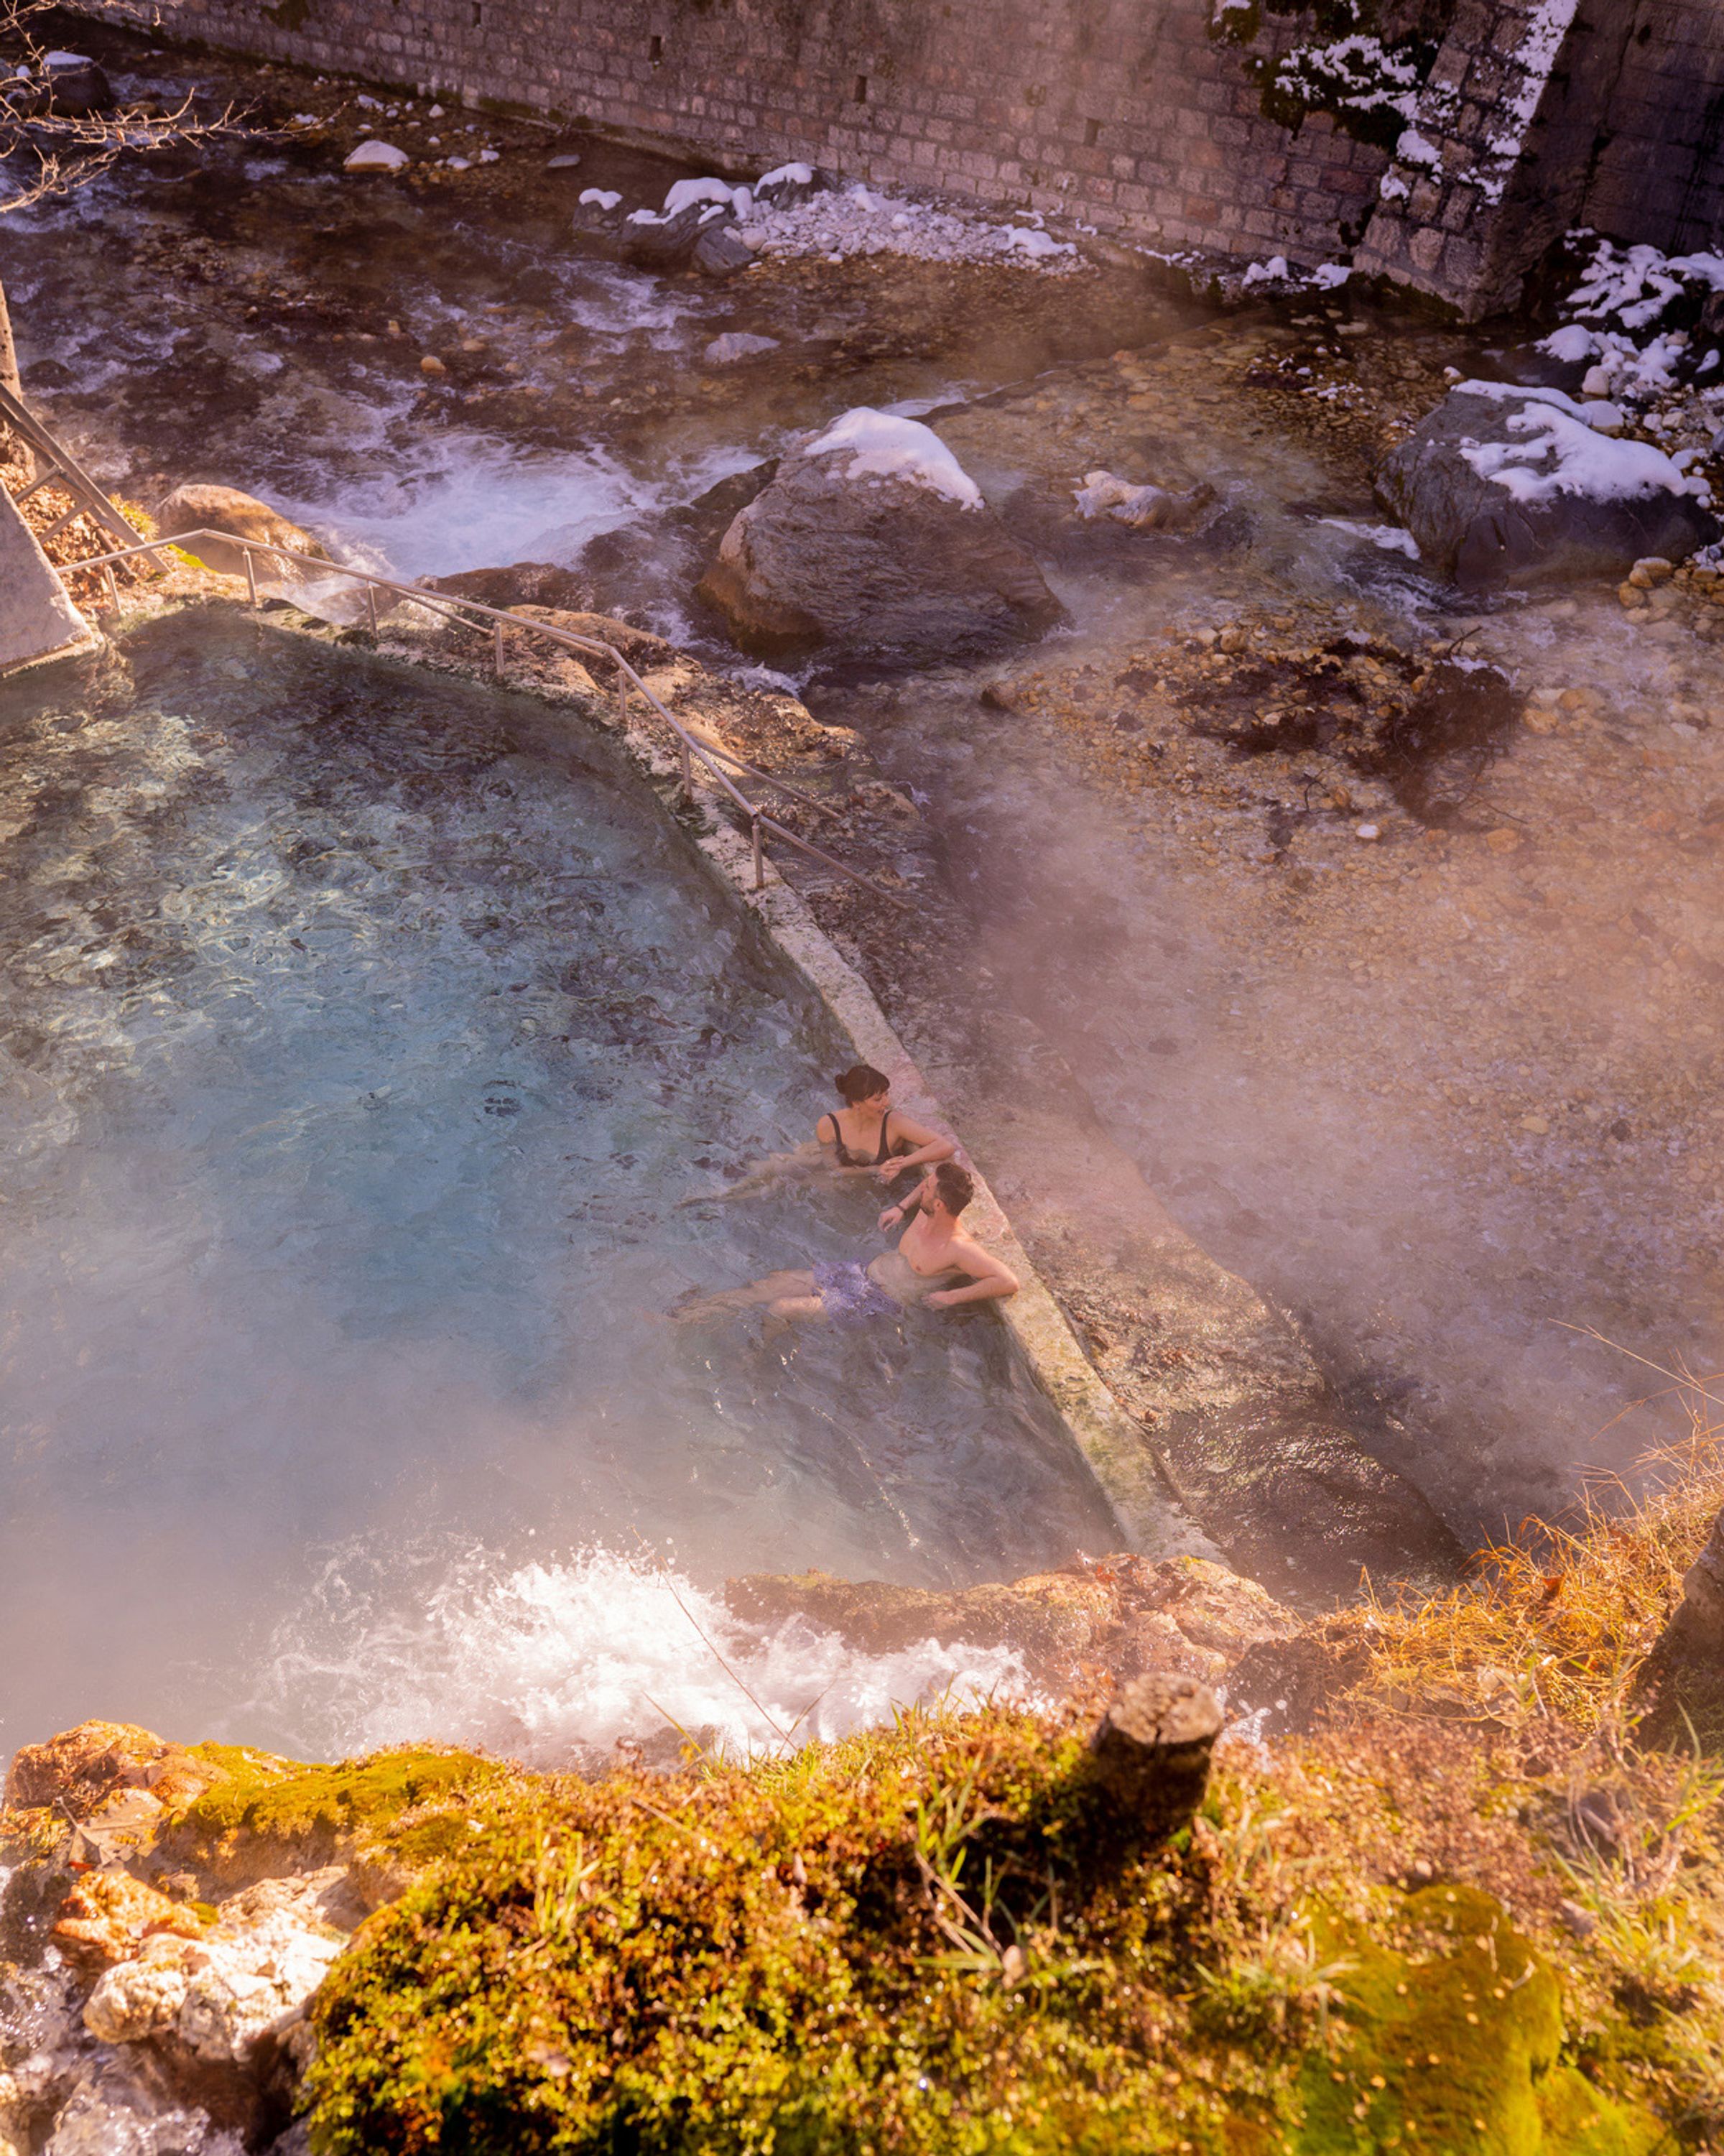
693,749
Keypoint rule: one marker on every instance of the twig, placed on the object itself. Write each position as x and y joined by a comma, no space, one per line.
783,1736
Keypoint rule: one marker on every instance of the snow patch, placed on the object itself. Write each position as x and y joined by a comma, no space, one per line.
1389,537
1563,454
890,448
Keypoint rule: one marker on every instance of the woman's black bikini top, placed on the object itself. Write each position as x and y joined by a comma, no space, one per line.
846,1159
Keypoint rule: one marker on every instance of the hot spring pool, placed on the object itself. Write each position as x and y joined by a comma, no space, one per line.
361,1033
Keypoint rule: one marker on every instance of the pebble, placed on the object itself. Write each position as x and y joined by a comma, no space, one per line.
431,364
566,163
1367,832
1502,839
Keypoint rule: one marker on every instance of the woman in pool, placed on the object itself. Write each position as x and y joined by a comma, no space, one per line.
865,1135
868,1136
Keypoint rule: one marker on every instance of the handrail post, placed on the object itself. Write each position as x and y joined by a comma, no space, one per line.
371,601
688,768
622,698
497,650
113,587
251,578
760,858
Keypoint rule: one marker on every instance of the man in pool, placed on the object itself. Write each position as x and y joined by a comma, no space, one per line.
934,1252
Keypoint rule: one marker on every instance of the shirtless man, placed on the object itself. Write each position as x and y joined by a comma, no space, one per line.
934,1252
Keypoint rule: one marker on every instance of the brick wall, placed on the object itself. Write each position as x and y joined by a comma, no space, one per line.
1123,113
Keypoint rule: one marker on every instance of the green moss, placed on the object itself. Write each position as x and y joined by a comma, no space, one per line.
1456,2048
280,1800
927,1940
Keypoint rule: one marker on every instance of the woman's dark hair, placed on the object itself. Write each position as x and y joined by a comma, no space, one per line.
861,1082
956,1185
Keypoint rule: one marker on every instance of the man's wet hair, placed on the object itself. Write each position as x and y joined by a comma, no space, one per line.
956,1185
861,1082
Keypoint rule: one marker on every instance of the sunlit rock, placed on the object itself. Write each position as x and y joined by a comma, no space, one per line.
1147,508
225,509
1121,1613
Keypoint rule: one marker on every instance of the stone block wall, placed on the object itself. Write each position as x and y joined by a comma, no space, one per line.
1659,174
1124,114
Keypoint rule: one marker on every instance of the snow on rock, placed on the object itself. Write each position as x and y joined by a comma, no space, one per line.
1561,449
1571,344
601,199
1412,149
787,220
740,200
886,447
375,156
1504,482
737,344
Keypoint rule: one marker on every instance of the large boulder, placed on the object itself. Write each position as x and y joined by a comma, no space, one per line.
1504,484
873,545
226,509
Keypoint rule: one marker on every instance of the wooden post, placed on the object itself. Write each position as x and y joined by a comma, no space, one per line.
1150,1753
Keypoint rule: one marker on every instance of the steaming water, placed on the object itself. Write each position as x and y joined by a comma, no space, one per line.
360,1037
546,1660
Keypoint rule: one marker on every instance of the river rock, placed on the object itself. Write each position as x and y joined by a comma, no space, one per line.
1503,484
737,344
77,87
721,251
376,157
874,548
1124,1615
1145,508
226,509
519,584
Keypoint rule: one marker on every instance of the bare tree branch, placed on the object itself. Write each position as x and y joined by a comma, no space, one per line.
43,152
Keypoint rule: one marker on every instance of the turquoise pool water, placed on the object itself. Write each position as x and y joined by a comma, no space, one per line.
360,1033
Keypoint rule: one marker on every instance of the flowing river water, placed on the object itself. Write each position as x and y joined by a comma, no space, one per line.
1335,1082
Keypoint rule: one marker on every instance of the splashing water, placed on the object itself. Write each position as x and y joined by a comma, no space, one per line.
559,1660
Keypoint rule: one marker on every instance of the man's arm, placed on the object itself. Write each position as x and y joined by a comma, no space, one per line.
994,1281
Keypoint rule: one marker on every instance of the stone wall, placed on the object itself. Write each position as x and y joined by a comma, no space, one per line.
1126,115
1659,174
1122,113
1541,114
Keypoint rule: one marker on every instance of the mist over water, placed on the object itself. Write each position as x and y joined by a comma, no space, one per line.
361,1041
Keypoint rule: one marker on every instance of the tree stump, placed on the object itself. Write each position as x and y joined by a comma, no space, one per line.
1150,1754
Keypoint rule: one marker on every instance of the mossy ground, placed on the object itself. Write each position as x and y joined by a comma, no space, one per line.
1466,1915
924,1940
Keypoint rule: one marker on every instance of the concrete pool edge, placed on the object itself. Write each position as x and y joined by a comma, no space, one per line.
1118,1454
